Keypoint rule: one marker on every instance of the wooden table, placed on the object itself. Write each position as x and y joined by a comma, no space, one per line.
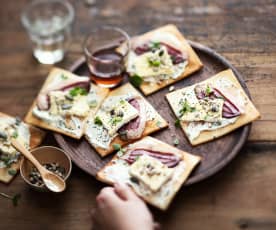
241,196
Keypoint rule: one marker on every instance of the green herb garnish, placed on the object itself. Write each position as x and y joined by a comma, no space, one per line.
208,90
15,134
93,103
63,77
136,158
177,123
12,172
98,121
116,147
78,91
7,160
154,45
158,123
176,141
186,108
14,198
116,120
154,62
136,80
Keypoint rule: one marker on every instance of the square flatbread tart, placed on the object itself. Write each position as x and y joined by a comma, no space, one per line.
153,169
124,116
64,103
159,58
212,108
28,135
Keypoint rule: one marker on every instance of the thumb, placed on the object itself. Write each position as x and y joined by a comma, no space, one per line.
124,191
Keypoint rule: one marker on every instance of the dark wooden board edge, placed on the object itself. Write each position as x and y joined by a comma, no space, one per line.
204,174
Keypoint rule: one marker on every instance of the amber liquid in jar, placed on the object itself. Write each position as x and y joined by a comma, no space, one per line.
107,67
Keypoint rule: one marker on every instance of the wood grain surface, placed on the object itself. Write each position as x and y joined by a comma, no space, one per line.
242,196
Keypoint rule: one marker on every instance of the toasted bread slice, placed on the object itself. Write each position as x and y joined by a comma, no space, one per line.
193,65
117,170
250,112
36,137
152,125
32,119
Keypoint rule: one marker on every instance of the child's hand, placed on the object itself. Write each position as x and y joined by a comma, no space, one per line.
119,208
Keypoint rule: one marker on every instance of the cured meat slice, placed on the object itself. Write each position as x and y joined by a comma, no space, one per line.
135,128
169,159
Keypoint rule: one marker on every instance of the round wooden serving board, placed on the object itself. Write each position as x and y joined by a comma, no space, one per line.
215,154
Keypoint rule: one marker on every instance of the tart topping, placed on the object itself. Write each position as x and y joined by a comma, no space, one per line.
63,84
135,128
231,106
169,159
176,55
150,172
115,116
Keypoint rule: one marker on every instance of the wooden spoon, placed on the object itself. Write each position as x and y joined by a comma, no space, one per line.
51,180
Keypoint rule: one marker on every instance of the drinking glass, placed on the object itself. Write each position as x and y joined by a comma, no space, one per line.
105,50
49,24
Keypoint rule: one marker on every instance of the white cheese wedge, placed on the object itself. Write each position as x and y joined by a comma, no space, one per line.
80,107
115,118
209,110
60,105
151,172
188,108
143,68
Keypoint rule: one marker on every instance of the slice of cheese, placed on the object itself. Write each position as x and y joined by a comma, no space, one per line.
209,110
60,105
151,172
143,68
114,118
80,107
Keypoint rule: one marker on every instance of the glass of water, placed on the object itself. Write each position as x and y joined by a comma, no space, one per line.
49,25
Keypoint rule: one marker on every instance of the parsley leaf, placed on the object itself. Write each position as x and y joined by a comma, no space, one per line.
63,77
77,91
14,198
176,142
137,157
116,120
177,123
154,45
159,124
136,80
154,62
208,90
116,147
186,108
93,103
98,121
15,134
12,172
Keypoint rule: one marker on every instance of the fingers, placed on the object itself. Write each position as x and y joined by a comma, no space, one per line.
107,198
156,226
124,192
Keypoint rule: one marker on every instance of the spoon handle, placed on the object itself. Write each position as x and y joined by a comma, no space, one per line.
21,148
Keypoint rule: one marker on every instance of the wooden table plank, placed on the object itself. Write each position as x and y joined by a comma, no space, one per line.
242,196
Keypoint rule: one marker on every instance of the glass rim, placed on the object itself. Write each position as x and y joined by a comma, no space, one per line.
68,20
90,55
